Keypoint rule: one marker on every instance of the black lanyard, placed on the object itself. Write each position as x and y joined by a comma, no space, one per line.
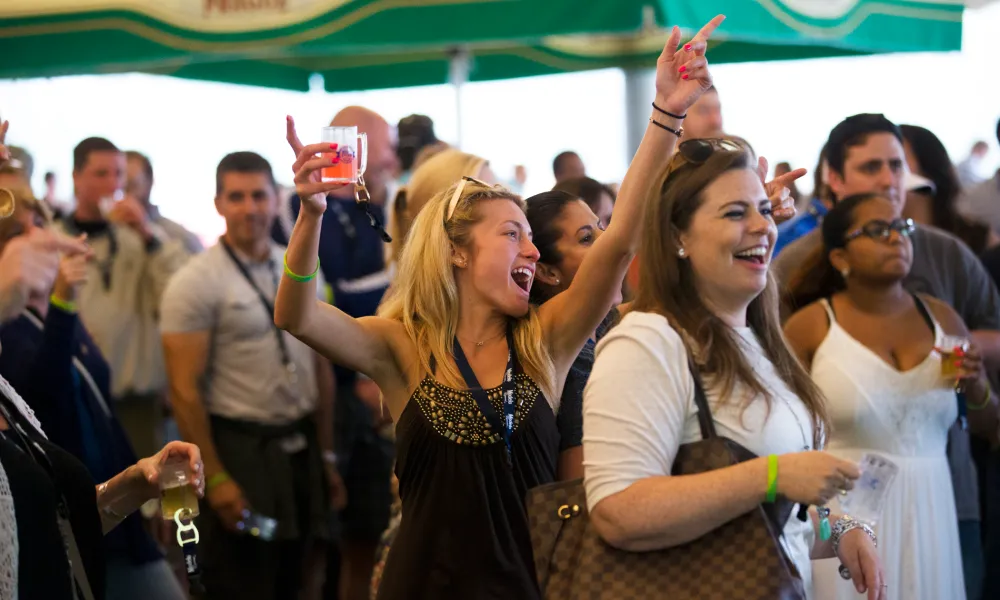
479,394
286,358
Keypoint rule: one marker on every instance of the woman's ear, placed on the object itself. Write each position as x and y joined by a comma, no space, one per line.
548,275
458,257
679,242
838,258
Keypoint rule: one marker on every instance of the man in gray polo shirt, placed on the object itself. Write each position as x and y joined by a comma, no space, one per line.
865,155
256,401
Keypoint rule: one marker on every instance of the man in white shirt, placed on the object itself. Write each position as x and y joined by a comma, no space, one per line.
133,261
256,401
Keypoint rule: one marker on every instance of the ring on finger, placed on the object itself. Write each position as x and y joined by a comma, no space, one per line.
845,573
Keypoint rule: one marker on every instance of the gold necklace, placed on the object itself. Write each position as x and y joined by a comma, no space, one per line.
483,343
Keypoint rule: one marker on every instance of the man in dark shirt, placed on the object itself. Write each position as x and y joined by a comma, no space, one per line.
865,155
352,256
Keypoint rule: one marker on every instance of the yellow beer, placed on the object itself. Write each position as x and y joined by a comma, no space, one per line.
951,349
177,497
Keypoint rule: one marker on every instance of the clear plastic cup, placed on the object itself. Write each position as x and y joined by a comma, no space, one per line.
177,490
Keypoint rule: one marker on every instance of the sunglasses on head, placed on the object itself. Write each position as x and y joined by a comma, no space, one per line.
698,151
882,230
458,194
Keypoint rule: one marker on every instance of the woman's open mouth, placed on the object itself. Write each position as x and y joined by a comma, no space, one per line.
523,277
756,255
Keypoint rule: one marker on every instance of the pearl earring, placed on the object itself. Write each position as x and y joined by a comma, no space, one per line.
681,253
845,272
557,281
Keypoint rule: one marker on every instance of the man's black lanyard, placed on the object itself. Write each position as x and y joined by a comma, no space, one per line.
286,358
506,427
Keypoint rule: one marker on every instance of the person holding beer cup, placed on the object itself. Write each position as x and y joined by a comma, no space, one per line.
897,370
54,362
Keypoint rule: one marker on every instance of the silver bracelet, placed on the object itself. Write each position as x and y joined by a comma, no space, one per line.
105,505
847,523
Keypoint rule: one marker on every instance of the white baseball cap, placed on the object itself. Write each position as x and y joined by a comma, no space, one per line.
918,183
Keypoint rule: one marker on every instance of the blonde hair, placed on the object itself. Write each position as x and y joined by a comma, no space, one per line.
424,295
24,201
433,175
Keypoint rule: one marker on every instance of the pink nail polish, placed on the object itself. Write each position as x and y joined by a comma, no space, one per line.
684,76
682,69
687,47
333,146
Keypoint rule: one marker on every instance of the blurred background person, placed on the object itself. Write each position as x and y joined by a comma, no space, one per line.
810,215
704,118
520,178
139,185
599,197
970,169
437,172
415,133
119,303
935,202
568,165
982,201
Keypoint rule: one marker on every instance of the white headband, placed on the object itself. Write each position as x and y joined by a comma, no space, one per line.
458,194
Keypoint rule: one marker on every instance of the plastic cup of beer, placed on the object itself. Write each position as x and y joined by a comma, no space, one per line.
177,490
351,156
952,348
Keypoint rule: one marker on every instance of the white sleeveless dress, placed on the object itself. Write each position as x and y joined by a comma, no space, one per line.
905,417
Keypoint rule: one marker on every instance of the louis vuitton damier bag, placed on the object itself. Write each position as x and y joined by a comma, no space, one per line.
743,559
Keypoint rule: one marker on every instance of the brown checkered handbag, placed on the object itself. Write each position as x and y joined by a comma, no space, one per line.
743,559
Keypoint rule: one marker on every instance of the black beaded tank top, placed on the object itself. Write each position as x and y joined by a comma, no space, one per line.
464,529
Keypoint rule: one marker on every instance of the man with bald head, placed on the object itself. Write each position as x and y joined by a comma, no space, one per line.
704,118
352,256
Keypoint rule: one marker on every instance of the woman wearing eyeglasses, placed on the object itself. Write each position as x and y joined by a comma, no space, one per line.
875,351
469,371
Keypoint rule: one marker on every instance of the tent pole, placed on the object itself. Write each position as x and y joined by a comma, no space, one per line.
460,63
639,85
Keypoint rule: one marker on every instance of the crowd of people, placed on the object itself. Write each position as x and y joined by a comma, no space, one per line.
366,418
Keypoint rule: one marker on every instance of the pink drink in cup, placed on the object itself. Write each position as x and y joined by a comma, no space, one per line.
351,156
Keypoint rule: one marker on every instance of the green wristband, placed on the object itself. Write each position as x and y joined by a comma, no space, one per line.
64,305
300,278
772,478
216,479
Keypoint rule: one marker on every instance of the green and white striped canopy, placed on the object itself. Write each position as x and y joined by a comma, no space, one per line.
369,44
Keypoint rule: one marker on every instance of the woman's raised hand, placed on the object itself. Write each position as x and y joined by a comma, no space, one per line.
682,74
309,160
779,191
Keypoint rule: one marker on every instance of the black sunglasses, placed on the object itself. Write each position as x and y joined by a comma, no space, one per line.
881,230
697,151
